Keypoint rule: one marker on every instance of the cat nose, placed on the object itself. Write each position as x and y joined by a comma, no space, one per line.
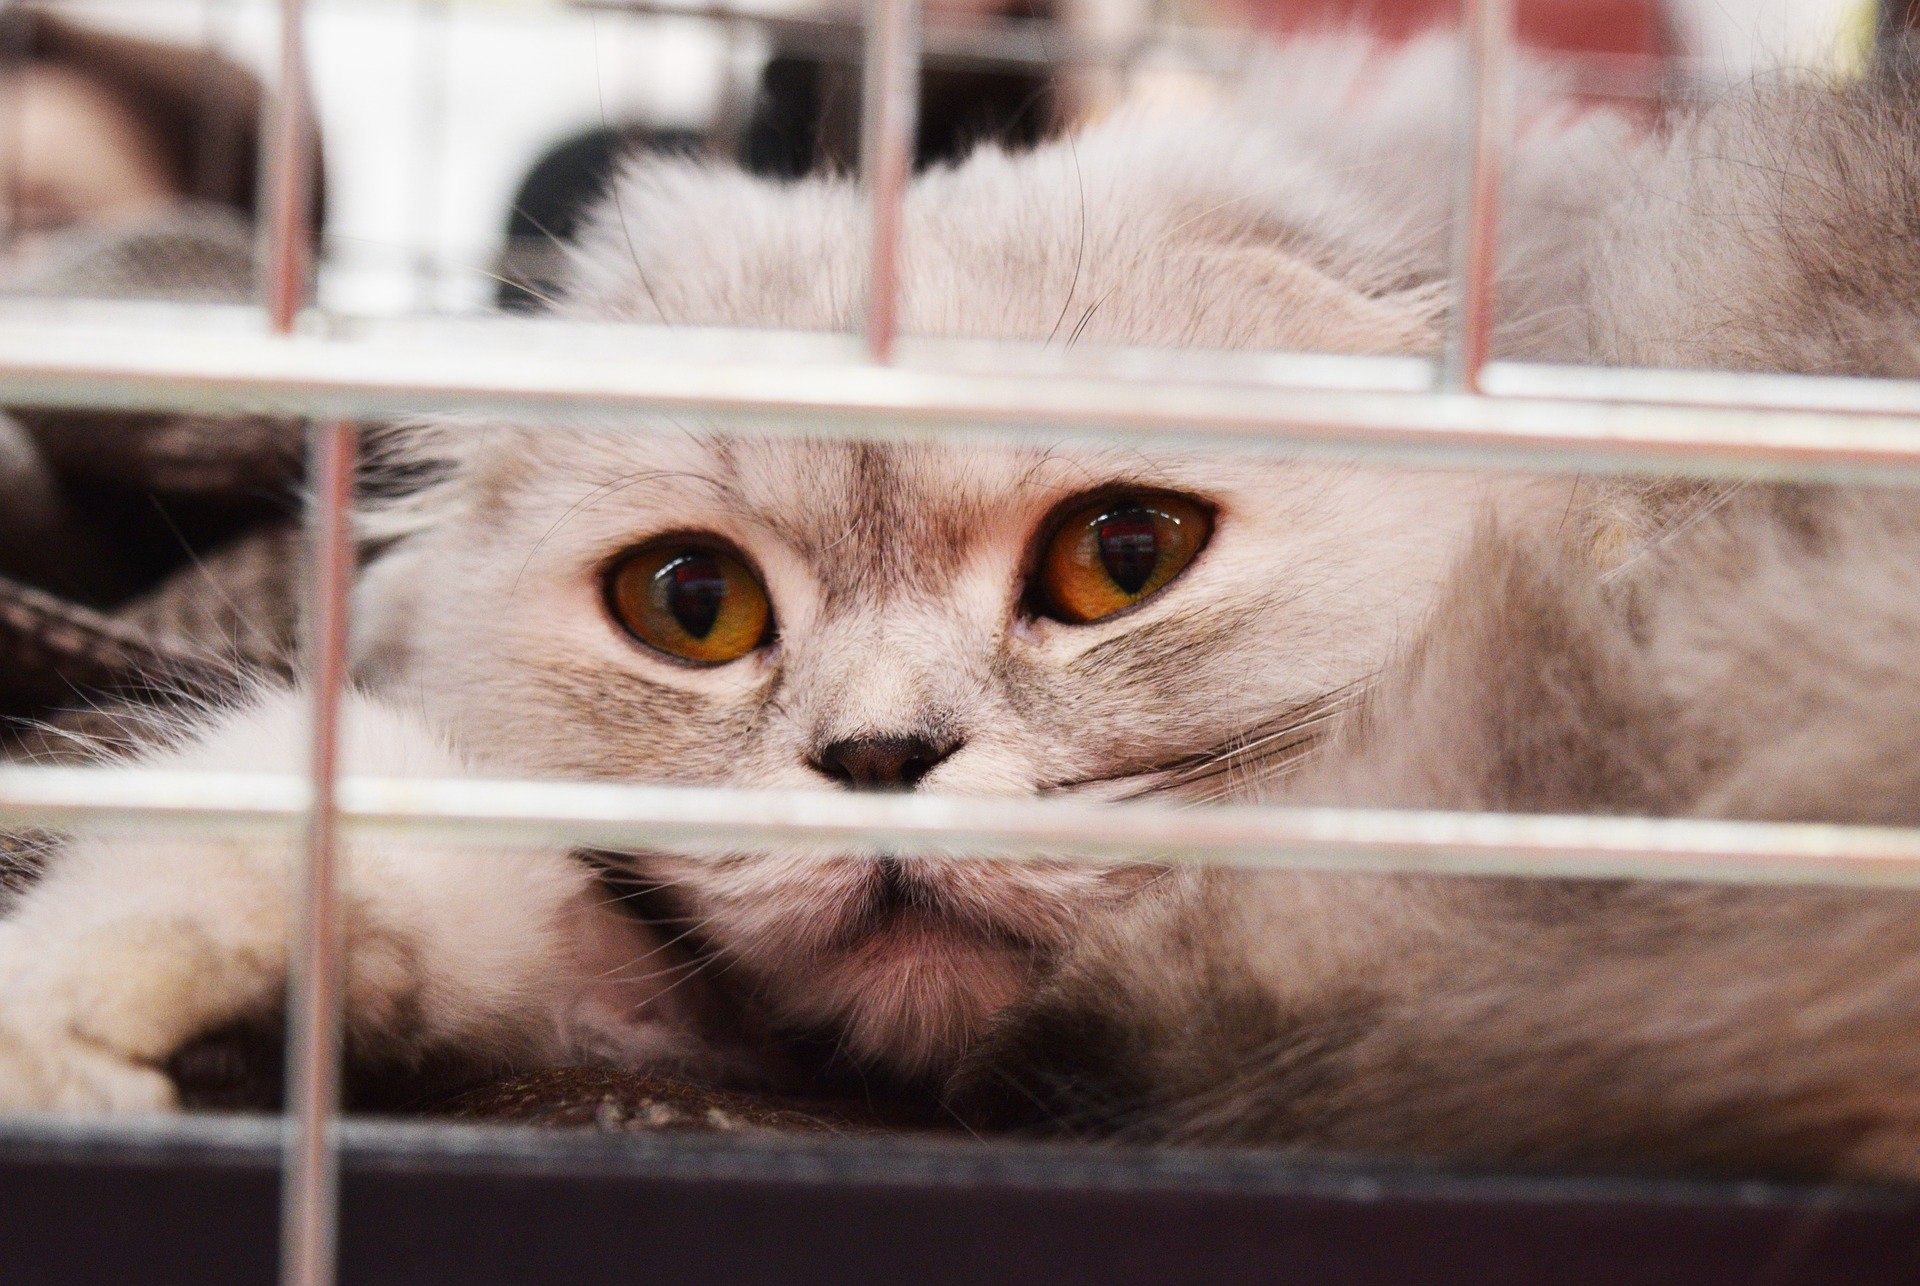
882,763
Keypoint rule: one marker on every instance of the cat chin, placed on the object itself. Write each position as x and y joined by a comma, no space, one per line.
909,997
901,985
900,963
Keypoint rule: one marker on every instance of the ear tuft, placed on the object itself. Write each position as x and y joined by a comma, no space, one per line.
415,473
1290,304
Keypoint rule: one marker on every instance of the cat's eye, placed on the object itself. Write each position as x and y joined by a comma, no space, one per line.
1112,553
691,601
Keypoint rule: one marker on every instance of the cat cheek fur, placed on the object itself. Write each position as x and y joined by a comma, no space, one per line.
901,616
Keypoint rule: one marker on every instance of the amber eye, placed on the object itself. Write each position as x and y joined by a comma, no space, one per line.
691,601
1113,553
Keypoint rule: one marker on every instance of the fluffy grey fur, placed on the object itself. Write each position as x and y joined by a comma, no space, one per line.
1756,660
899,570
1759,665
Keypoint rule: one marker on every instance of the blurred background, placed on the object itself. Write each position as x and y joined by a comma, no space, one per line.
450,126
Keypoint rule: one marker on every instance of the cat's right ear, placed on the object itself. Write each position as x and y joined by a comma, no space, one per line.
1289,289
415,473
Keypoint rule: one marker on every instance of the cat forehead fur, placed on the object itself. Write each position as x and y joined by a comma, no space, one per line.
1123,235
1309,209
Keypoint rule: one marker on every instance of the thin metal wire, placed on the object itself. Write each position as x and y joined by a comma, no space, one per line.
486,814
1480,155
289,170
890,101
541,372
218,358
310,1172
315,984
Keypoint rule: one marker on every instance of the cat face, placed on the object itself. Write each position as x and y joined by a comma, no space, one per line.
905,605
657,602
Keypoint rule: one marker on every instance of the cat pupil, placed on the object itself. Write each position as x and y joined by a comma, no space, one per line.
1129,547
695,589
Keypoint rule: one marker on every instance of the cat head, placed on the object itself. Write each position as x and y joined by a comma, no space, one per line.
661,602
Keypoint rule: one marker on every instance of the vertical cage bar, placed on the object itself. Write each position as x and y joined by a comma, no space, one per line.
310,1173
1479,153
889,103
310,1186
290,150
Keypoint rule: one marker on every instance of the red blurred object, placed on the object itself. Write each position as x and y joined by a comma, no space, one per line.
1631,27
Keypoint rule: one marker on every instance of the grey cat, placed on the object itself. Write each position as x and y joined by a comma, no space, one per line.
660,602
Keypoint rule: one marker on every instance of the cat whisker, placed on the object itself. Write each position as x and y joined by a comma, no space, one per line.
1718,499
1080,252
688,972
1261,753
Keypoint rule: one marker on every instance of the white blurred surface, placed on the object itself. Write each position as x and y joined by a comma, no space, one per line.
432,111
1737,38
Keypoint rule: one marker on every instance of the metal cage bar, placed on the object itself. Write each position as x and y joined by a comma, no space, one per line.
1530,416
1479,155
310,1170
697,819
315,1004
890,99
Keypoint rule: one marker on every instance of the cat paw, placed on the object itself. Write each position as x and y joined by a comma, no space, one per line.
89,1020
59,1071
55,1052
148,972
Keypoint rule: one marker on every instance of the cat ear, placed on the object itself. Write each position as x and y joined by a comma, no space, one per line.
1296,293
1270,297
413,474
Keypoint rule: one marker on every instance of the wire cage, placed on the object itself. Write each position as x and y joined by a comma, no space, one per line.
393,326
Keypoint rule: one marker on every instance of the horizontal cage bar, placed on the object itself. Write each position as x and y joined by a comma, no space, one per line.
696,819
1706,424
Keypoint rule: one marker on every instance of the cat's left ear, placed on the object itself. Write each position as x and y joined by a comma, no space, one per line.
415,473
1289,292
1298,306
